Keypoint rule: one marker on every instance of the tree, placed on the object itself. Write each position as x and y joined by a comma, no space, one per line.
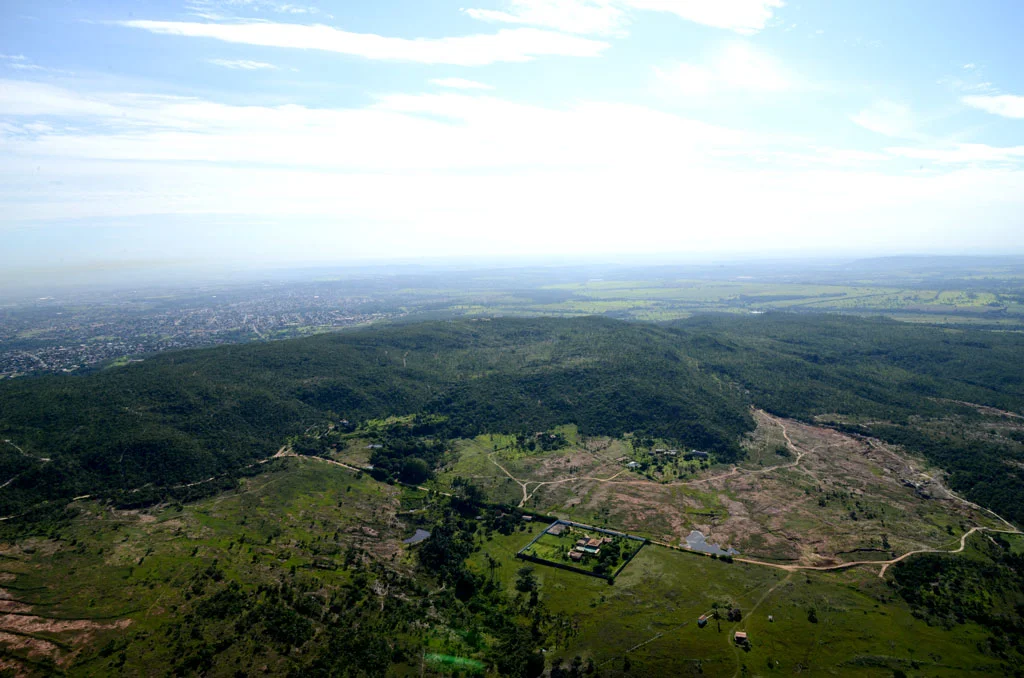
468,491
446,550
609,555
525,580
414,471
492,565
516,655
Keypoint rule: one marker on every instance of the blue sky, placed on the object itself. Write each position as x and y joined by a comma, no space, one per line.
263,131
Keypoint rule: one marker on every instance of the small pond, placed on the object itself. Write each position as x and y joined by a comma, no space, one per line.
416,538
695,541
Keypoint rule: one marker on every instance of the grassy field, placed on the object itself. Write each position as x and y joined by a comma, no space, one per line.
108,592
649,616
673,299
659,300
120,576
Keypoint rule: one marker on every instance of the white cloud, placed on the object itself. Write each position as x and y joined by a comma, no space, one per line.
38,127
243,64
131,155
21,98
688,79
573,16
398,132
403,177
286,8
610,16
20,62
981,86
509,45
1006,105
969,67
220,9
963,154
888,118
745,17
738,66
459,83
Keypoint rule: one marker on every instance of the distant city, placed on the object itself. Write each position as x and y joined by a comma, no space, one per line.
89,329
51,335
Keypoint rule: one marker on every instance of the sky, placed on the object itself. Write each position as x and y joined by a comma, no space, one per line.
143,133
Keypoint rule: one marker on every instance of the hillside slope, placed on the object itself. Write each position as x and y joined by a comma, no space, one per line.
918,386
181,417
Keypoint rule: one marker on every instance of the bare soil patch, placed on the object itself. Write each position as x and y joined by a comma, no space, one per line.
806,495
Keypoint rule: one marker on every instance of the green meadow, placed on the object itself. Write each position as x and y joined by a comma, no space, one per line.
646,622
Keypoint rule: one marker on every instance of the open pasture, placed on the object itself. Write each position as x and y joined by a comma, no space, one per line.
859,628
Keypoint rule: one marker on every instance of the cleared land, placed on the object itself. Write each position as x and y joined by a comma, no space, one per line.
806,495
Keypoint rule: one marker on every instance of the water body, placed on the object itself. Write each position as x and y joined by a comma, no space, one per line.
696,541
416,538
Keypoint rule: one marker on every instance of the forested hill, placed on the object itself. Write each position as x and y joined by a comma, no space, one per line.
800,366
181,417
896,377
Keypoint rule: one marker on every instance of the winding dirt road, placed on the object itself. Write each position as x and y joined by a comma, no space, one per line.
541,483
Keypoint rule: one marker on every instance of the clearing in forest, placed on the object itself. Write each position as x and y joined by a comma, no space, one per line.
805,495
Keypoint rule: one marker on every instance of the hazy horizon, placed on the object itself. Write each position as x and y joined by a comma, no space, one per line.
254,133
119,276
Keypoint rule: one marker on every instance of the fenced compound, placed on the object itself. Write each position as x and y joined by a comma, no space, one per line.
541,550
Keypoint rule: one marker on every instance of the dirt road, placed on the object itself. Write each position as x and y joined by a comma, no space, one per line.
541,483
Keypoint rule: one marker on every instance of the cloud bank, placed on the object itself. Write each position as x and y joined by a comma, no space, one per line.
508,45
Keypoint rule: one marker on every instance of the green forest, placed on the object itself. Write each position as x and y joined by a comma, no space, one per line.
143,432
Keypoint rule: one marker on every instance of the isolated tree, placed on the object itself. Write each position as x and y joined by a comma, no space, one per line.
525,580
414,470
492,565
